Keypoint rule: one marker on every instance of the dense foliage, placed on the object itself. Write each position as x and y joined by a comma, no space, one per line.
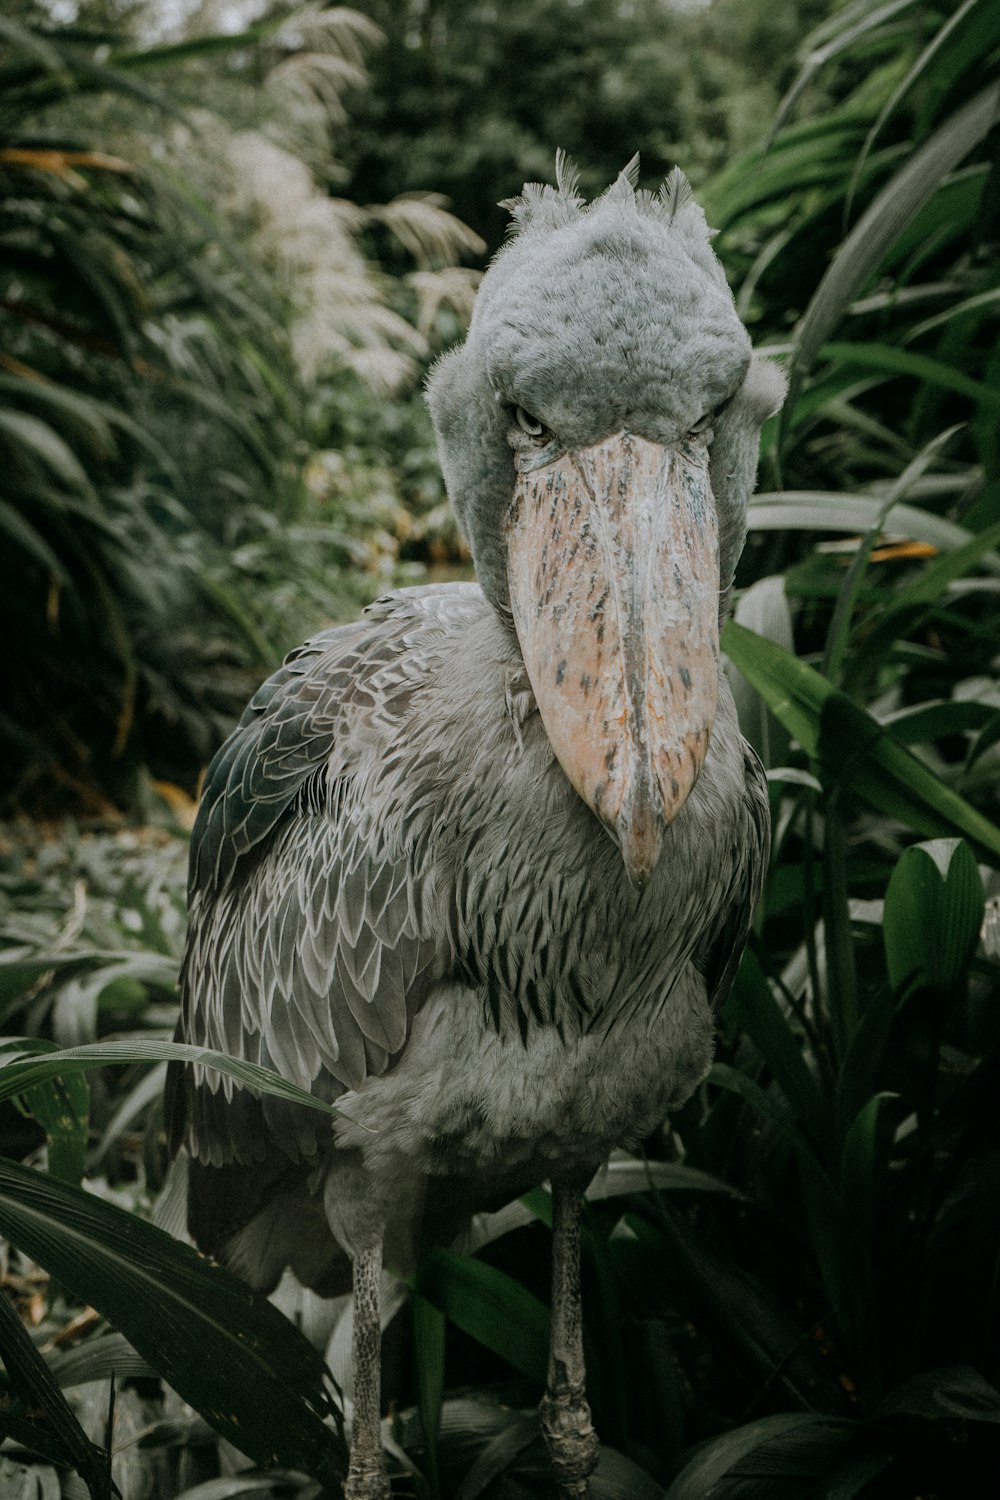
179,314
794,1291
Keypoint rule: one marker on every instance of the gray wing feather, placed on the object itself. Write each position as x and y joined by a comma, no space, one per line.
314,924
718,955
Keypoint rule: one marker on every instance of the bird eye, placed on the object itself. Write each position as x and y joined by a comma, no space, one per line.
703,424
528,423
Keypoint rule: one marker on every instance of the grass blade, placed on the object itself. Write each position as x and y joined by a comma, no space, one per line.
19,1072
935,372
428,1343
859,255
490,1306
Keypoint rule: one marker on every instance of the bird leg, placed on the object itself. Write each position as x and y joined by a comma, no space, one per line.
366,1475
566,1426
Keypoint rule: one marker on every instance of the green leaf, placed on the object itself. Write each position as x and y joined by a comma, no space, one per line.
29,40
238,1486
834,1248
843,38
828,1225
109,1355
623,1175
792,1445
812,155
863,1060
490,1306
762,608
40,441
766,1105
225,1349
168,54
860,1167
62,1108
833,510
32,1382
847,596
428,1344
955,312
858,257
851,1480
752,1007
929,587
841,977
19,1072
954,29
853,750
934,909
88,419
495,1455
22,534
737,1311
922,367
931,721
950,1392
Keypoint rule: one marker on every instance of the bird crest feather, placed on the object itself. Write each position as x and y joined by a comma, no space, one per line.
540,206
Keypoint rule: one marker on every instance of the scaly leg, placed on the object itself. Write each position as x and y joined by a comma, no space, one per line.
566,1425
366,1476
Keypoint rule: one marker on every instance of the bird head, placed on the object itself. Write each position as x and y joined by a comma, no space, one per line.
599,433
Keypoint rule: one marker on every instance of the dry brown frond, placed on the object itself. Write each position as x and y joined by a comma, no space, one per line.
332,29
384,371
453,286
319,76
427,231
343,319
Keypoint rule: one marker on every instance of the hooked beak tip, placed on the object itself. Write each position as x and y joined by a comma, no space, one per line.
640,839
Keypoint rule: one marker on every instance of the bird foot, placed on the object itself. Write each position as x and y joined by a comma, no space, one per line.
367,1480
570,1438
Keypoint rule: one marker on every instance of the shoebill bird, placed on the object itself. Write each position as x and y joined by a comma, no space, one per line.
478,867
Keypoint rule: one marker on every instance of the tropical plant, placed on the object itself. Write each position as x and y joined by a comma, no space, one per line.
848,1105
156,383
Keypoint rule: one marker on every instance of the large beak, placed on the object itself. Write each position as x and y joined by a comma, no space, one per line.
613,565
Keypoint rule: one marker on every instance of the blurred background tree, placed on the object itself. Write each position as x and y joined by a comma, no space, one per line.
504,84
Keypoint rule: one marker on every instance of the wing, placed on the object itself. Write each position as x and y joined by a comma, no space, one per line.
314,902
718,954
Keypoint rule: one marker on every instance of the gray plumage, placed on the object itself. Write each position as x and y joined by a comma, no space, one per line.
397,897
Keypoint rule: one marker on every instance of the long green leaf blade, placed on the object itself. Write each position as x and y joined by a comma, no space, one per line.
33,1382
490,1306
853,749
753,1008
936,372
859,255
224,1348
826,1439
21,1073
